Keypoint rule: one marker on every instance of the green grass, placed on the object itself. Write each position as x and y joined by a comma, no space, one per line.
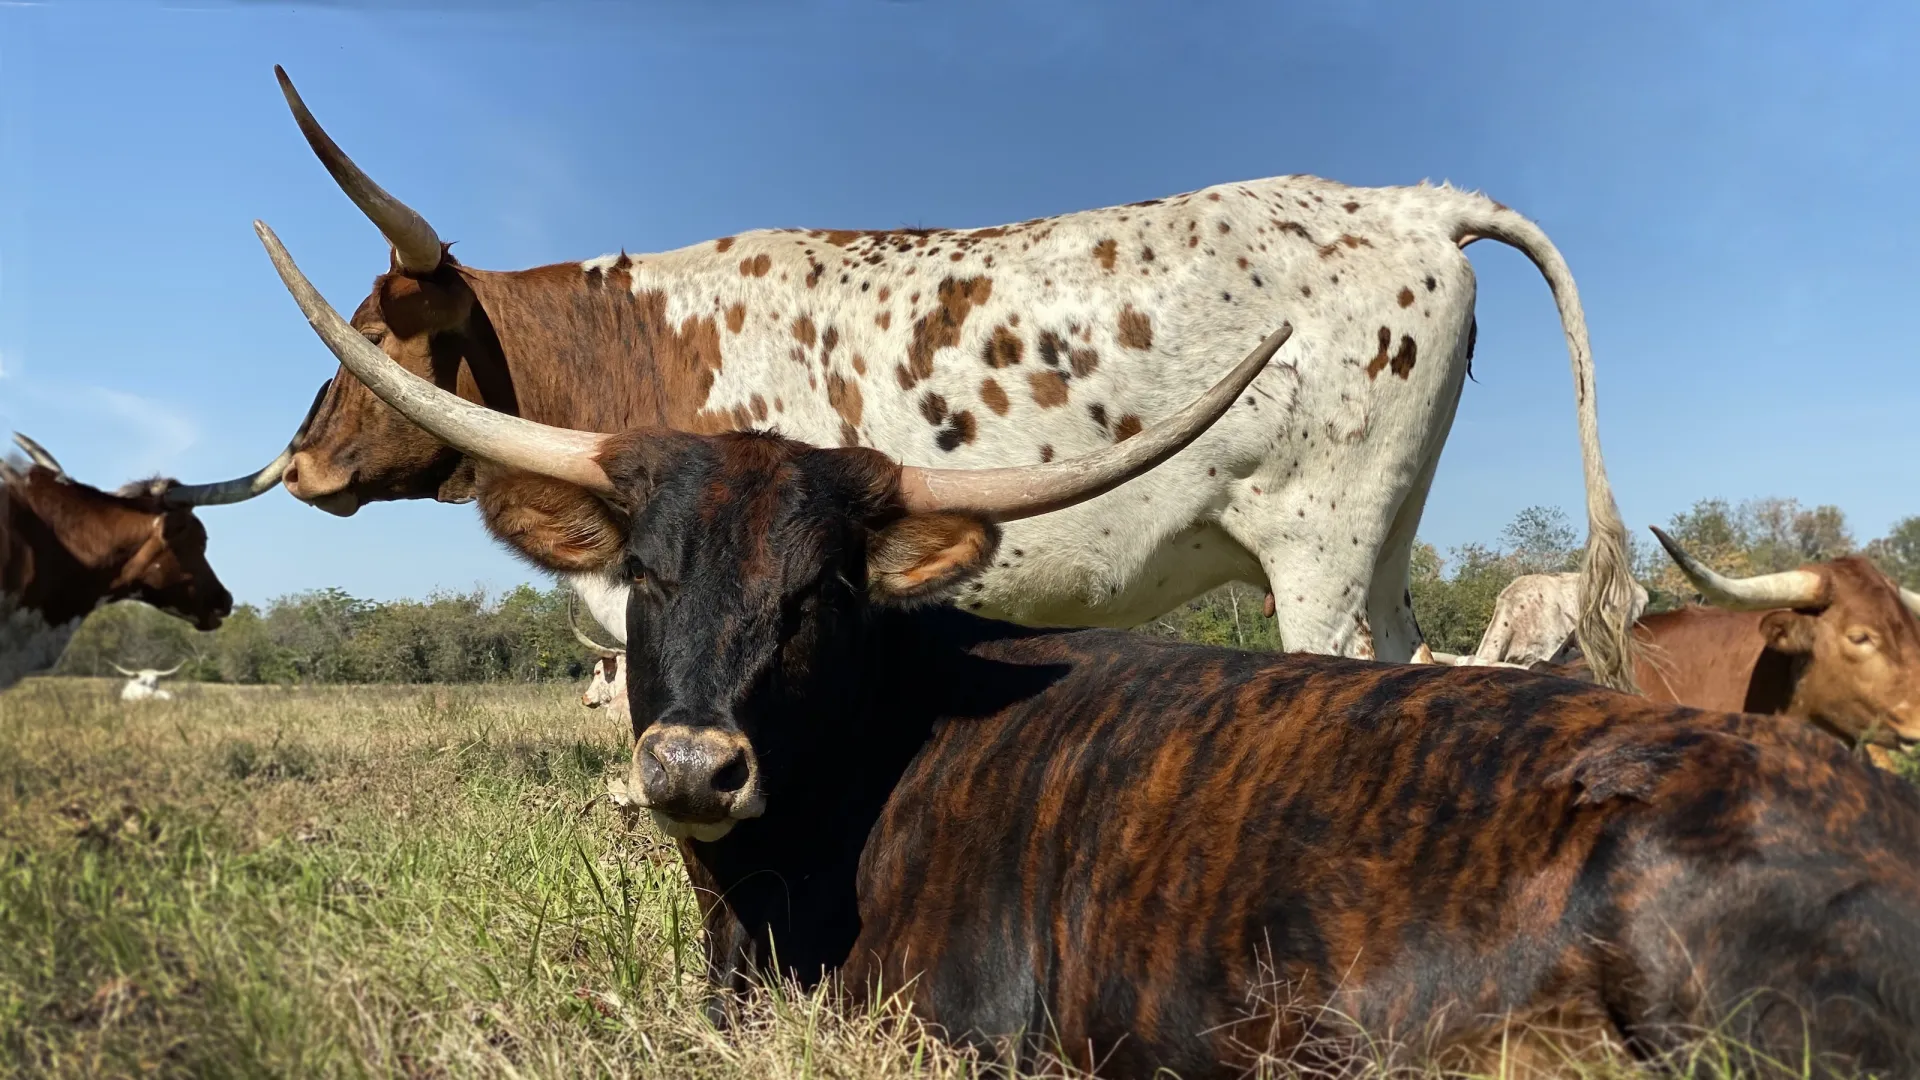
408,882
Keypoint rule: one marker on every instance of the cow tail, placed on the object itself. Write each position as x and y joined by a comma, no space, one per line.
1604,631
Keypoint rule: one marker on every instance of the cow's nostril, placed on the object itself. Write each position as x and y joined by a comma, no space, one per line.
653,774
731,776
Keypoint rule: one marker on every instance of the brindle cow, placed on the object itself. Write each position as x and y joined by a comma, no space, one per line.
1150,855
1005,346
1835,643
67,548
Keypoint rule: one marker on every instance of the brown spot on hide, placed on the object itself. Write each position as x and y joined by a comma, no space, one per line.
828,340
940,328
844,396
1049,389
1347,240
1052,345
1083,362
722,244
1136,329
1380,357
756,266
849,435
1003,348
1146,254
1406,298
803,331
993,397
1046,452
883,294
957,433
1127,428
883,320
1350,207
759,405
859,364
1104,253
1224,228
736,317
1213,196
1099,414
1403,357
934,408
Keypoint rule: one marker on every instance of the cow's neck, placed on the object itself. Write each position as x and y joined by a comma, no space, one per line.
67,547
575,346
790,878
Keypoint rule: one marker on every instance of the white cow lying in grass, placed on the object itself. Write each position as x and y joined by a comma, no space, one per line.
144,684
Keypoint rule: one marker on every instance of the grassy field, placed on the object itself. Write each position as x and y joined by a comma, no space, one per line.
362,882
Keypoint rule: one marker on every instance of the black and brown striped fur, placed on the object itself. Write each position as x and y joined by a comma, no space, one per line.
1144,854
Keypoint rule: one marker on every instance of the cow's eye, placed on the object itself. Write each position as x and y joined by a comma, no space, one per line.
1860,637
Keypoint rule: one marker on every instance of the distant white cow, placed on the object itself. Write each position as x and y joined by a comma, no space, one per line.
144,684
607,686
1533,621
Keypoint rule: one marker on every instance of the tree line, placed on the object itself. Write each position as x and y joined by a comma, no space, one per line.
1453,595
522,635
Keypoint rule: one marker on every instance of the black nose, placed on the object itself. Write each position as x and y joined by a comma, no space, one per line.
696,774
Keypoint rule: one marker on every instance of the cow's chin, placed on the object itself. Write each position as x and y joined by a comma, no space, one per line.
339,503
703,831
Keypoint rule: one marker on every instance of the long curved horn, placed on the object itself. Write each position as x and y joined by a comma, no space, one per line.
1028,490
246,487
580,634
1911,599
169,671
1787,589
414,242
39,454
123,671
566,455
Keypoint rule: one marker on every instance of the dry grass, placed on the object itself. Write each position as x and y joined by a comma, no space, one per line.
365,882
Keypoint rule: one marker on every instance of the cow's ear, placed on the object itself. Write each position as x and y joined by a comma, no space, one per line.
1788,632
924,557
554,525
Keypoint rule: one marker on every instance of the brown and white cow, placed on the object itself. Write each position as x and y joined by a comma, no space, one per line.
1003,346
1835,643
67,548
607,682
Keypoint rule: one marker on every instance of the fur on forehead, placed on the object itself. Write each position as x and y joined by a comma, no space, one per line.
563,528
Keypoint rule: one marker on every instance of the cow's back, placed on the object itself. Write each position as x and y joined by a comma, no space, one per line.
1017,344
1171,841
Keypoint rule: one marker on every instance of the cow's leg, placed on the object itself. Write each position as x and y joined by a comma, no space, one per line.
1318,546
1396,635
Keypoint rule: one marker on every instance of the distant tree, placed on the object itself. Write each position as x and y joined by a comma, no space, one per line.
1540,540
1898,552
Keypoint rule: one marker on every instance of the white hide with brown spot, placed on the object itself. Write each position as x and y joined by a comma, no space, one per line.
1533,620
1312,486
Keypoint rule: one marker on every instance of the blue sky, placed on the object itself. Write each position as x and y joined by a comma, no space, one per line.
1733,184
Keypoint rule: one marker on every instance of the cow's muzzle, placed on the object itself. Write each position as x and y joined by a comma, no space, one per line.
697,781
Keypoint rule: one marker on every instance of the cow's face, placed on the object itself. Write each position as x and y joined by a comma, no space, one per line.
358,449
606,682
169,570
754,561
1859,656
